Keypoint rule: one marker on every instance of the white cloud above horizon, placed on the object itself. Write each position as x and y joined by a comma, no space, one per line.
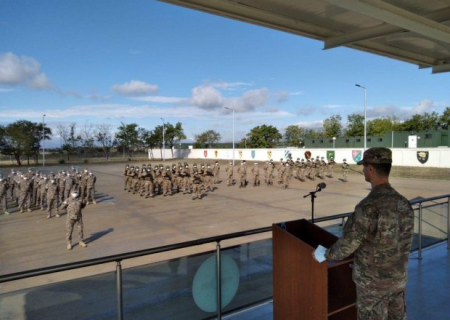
135,88
24,71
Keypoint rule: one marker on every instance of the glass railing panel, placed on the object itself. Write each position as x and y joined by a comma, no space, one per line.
434,223
92,297
163,290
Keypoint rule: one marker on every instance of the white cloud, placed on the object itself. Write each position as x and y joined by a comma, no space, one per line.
231,86
207,97
135,88
24,71
296,93
306,110
6,90
161,99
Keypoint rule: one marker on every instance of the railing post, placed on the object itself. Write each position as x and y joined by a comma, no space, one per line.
420,231
448,223
219,282
119,291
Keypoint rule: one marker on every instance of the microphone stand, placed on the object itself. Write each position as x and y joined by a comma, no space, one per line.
312,194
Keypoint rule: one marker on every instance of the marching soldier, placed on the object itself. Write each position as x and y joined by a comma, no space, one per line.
12,182
196,185
286,174
134,181
83,184
270,171
68,185
91,180
242,170
3,189
216,172
52,198
331,164
126,178
130,174
186,176
167,183
25,189
229,171
36,194
61,185
345,167
148,183
255,172
280,170
175,175
208,177
43,190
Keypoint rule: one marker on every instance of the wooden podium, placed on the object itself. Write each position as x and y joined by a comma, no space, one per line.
304,288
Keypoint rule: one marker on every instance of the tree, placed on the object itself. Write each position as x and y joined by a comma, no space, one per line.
444,120
355,125
63,132
173,134
23,138
332,126
128,136
105,137
380,126
294,136
207,138
87,135
263,137
313,134
423,122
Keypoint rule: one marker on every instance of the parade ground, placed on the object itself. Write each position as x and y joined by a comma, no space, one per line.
123,222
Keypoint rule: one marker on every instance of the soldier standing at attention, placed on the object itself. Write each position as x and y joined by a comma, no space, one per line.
68,185
216,171
12,178
125,176
196,179
331,164
255,171
266,166
280,171
185,176
242,170
74,216
43,191
270,170
167,183
345,170
25,188
3,189
91,180
379,233
229,171
52,198
286,175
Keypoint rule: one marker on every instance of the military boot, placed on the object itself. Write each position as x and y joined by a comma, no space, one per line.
82,244
6,212
69,246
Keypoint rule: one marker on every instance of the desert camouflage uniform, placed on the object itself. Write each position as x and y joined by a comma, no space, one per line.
229,171
331,164
69,185
175,181
185,175
270,170
52,199
255,172
379,233
73,217
83,185
280,170
43,190
25,189
208,177
12,181
345,167
126,178
36,188
286,175
61,186
196,180
148,184
3,195
242,170
166,182
216,172
135,180
91,180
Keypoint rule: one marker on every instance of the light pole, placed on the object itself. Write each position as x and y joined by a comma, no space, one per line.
43,139
365,114
164,140
233,131
334,140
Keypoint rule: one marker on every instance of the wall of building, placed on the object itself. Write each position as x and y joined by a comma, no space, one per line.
431,157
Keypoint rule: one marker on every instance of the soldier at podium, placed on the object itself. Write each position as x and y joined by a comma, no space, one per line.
379,233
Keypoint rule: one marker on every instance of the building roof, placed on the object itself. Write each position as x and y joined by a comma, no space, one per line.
414,31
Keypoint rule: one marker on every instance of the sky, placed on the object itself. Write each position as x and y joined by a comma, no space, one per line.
145,62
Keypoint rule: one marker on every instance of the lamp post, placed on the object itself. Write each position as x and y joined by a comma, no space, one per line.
43,139
334,140
365,114
233,131
164,140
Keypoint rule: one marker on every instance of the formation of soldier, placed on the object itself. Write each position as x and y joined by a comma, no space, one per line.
148,181
34,190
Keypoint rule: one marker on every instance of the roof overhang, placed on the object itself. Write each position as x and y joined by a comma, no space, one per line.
413,31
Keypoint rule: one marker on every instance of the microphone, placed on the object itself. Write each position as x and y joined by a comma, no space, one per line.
321,186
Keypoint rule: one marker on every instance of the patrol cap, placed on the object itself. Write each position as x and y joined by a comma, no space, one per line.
377,156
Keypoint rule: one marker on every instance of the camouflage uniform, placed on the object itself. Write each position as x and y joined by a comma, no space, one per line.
52,198
270,170
379,233
91,180
286,175
255,172
331,164
208,177
229,171
69,185
166,182
196,180
36,189
83,185
73,217
43,191
265,168
61,186
242,170
185,175
216,172
148,184
3,195
12,181
344,170
126,178
280,170
25,187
